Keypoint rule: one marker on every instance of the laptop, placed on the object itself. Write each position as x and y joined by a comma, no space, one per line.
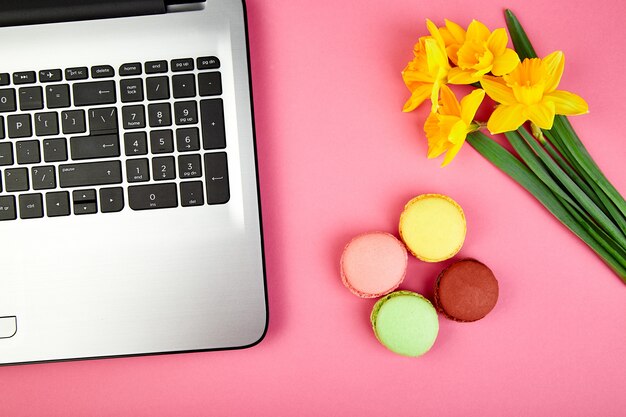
129,206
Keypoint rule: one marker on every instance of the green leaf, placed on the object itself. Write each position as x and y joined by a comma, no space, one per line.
581,198
504,160
541,170
522,44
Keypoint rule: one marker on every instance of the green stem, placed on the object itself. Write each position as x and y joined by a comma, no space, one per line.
532,161
504,160
522,44
585,202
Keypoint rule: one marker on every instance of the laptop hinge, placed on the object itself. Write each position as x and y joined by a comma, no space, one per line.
30,12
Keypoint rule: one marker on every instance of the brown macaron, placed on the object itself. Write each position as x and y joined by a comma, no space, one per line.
466,291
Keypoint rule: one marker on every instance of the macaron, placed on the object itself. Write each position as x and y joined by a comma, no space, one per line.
405,323
466,291
373,264
433,227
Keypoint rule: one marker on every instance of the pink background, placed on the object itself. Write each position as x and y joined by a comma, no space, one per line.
337,157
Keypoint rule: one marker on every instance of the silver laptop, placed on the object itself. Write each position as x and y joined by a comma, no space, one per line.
129,207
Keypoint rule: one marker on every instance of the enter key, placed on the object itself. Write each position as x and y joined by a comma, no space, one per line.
94,147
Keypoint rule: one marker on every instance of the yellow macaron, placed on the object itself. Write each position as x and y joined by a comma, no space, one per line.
433,227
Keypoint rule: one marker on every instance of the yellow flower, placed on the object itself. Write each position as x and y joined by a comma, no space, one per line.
447,128
428,71
529,93
480,52
453,36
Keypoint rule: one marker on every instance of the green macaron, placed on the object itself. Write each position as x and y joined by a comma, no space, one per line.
405,323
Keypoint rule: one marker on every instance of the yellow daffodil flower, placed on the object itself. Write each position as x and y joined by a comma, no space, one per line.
447,128
428,70
477,52
529,93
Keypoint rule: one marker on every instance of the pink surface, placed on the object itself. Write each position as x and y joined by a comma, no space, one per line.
373,264
338,158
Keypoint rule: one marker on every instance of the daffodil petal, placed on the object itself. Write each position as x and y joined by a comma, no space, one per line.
498,90
436,56
458,132
505,63
452,153
418,96
457,32
434,96
434,32
541,114
461,77
449,103
506,118
566,103
453,53
476,31
497,41
470,104
555,63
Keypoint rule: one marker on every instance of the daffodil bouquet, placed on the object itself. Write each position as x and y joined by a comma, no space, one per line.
549,160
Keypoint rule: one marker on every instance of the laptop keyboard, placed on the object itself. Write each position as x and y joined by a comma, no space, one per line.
66,147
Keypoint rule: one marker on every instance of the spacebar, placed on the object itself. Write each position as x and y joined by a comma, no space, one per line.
93,173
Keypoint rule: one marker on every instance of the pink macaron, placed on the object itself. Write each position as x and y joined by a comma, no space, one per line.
373,264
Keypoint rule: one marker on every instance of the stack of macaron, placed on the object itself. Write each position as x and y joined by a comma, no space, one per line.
432,228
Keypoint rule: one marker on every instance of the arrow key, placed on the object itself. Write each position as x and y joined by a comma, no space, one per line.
111,199
58,204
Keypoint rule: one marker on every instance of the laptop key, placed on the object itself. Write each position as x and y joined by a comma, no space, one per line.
55,150
73,121
19,126
153,196
216,174
189,166
159,115
212,117
58,96
16,179
157,88
185,64
78,73
27,152
7,100
7,208
209,84
102,71
58,204
24,77
185,113
6,154
155,67
111,199
133,68
31,206
51,75
31,98
46,124
131,90
161,141
1,127
5,78
94,93
188,139
43,178
208,62
135,143
94,147
133,117
191,193
183,86
103,120
137,170
93,173
163,168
